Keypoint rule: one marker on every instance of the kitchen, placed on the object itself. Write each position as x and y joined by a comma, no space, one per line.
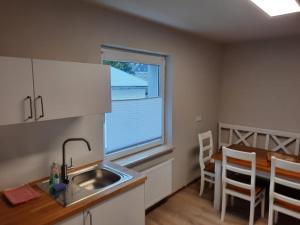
196,94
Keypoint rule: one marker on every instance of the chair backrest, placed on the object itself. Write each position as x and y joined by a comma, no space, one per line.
284,181
229,164
257,137
205,147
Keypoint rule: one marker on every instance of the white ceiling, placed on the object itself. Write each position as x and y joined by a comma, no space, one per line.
220,20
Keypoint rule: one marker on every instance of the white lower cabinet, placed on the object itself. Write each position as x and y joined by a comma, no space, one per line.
127,208
124,209
73,220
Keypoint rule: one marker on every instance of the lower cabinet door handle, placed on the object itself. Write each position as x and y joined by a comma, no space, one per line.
91,218
88,214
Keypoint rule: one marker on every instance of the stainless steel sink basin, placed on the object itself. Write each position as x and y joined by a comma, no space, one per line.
96,179
86,183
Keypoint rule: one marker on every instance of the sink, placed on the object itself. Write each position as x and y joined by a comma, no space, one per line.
86,183
96,179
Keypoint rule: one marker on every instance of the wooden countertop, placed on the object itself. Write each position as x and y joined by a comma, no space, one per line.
46,211
262,162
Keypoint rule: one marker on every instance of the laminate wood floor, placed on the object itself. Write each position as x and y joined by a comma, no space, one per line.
187,208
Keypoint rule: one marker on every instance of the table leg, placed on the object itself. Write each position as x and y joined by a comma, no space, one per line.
218,184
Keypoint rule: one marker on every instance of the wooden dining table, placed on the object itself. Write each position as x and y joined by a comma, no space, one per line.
263,168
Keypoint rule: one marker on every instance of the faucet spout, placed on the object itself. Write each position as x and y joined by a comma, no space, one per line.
64,167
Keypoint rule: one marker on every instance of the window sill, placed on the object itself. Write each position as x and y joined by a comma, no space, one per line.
143,156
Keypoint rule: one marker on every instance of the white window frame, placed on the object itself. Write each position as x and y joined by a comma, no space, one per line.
124,55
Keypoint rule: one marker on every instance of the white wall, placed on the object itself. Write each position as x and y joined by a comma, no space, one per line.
261,84
27,150
69,30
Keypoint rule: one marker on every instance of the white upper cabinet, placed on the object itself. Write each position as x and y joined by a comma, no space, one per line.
70,89
37,90
16,91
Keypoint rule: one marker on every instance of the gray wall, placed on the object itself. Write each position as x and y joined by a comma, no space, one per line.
261,84
69,30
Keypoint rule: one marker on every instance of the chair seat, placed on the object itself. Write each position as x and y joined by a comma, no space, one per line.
210,167
286,205
258,189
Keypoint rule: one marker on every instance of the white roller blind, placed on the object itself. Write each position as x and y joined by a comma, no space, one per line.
133,122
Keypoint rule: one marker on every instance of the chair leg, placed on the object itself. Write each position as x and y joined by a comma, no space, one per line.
271,213
224,204
276,217
252,209
263,205
270,218
202,183
231,201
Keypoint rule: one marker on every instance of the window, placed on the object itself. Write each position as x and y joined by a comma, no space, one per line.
137,89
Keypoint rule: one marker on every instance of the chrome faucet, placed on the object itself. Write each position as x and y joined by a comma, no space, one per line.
64,167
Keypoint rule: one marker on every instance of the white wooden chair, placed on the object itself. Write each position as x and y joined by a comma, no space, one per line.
279,202
207,166
237,188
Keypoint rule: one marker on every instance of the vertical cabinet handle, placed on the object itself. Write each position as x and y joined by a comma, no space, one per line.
42,107
30,106
91,218
89,214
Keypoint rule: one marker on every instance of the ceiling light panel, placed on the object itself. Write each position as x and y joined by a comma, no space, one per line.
278,7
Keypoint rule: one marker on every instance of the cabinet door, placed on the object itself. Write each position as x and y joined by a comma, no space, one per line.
70,89
159,182
16,90
73,220
126,208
